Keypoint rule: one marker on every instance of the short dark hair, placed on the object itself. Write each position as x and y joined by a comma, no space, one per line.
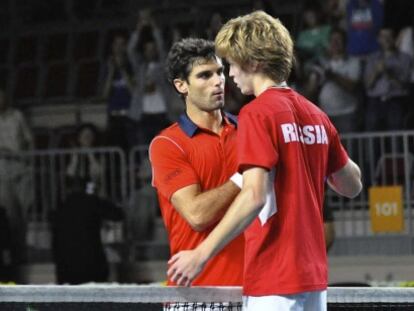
184,53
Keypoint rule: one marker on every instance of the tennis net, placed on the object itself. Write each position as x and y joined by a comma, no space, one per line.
148,298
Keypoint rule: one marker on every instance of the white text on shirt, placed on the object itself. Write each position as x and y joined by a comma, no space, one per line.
308,134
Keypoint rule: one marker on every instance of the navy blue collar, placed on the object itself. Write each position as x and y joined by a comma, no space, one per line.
190,128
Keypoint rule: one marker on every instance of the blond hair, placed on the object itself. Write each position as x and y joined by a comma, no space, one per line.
257,37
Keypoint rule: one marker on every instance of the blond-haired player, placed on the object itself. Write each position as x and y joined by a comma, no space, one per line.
287,149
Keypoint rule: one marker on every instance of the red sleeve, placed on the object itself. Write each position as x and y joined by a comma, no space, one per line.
337,157
171,169
255,141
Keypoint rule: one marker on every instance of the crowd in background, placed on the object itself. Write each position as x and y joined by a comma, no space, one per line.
353,65
352,59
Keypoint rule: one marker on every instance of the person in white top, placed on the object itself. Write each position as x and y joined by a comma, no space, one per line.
146,53
16,187
405,44
337,76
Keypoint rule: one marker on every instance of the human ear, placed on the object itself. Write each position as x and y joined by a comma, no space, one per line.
181,86
254,66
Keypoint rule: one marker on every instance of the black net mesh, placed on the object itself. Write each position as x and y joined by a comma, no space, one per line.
151,298
107,306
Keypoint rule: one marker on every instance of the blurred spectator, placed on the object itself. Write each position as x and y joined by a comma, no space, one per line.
386,77
364,20
85,166
118,87
405,44
268,6
334,82
216,21
176,105
15,134
76,241
335,12
143,205
176,34
146,53
16,188
77,223
297,78
313,39
5,247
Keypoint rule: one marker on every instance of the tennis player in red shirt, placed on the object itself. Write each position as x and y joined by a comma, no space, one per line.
194,159
287,149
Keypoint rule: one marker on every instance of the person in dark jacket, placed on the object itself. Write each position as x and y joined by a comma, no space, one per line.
6,269
78,250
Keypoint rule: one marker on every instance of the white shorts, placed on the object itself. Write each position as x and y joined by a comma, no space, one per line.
307,301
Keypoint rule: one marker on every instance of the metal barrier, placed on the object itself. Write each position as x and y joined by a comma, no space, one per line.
145,234
385,159
32,185
38,181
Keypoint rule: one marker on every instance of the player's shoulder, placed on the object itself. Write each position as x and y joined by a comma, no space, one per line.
271,101
170,136
171,130
309,106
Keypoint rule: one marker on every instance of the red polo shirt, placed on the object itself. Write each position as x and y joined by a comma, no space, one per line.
185,154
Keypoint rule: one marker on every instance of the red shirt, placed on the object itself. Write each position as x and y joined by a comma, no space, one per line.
185,154
282,130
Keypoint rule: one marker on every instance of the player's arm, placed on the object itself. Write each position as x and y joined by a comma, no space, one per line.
373,72
128,77
175,178
133,55
343,81
202,209
186,265
347,180
108,79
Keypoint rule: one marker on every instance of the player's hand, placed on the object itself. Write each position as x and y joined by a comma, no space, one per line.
184,267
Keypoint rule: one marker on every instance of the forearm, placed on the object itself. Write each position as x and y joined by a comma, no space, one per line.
401,79
347,181
370,79
28,141
349,190
107,86
128,78
159,42
346,83
240,215
132,46
373,70
207,207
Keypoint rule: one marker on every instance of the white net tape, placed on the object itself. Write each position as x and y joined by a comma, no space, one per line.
161,294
